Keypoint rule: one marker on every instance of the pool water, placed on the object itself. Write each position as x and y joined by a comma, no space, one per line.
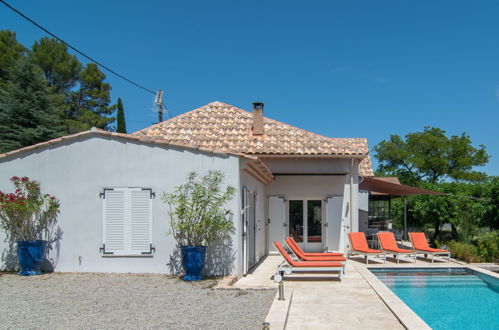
446,298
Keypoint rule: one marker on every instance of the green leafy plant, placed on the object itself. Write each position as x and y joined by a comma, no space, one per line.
27,214
488,246
464,251
197,216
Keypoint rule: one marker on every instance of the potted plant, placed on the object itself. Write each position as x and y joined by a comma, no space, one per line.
26,215
197,218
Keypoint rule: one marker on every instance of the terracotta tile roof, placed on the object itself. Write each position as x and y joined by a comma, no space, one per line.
365,166
222,127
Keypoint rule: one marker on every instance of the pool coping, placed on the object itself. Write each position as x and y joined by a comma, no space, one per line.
406,316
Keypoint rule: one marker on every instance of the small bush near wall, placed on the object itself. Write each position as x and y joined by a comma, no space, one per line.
484,248
464,251
488,246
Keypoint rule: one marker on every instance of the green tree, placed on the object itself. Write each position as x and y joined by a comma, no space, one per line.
90,105
120,118
430,156
10,52
61,69
27,115
491,216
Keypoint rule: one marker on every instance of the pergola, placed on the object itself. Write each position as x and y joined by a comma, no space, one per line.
390,187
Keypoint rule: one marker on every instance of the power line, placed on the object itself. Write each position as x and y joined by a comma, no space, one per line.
76,50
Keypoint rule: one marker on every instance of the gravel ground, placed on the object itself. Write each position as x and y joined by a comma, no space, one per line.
103,301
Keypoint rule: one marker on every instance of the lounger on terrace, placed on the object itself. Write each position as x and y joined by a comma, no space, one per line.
359,245
295,248
289,265
420,245
313,254
389,246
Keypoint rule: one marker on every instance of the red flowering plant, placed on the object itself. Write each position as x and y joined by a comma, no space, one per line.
27,214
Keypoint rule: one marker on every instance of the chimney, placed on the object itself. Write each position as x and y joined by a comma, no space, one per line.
257,118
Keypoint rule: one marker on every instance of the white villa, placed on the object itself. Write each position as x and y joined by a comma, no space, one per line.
290,183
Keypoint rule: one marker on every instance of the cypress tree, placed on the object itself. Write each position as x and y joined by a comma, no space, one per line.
120,118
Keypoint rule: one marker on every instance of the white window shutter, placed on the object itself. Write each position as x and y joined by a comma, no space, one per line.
127,221
140,221
114,221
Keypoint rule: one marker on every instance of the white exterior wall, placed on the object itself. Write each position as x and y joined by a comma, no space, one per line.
318,186
261,211
76,171
363,210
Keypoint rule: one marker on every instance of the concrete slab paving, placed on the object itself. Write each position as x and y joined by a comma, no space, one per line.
331,304
321,301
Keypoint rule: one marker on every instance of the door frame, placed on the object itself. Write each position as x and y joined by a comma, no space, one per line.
248,216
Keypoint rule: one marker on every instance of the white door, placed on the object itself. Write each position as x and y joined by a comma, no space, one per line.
334,227
244,218
251,228
277,221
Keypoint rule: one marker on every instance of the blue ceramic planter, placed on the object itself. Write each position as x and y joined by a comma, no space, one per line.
193,258
30,255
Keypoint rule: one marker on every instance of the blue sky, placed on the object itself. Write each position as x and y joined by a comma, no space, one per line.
336,68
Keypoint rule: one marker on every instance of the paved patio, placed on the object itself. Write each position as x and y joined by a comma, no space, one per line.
323,302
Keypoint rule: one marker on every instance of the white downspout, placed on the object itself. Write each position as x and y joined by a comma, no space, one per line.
351,194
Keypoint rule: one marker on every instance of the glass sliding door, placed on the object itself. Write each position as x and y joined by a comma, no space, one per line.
305,223
296,220
314,221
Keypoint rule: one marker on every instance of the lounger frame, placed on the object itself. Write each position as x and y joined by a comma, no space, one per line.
352,252
397,255
295,256
433,254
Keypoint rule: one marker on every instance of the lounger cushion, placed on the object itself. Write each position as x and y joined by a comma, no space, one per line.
304,264
323,257
397,250
419,242
432,250
388,243
358,241
369,251
292,242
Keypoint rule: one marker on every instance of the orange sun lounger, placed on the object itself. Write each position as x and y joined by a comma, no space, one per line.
359,245
389,246
295,248
289,265
314,254
420,245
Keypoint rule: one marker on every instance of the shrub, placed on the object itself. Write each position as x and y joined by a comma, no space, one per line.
197,216
464,251
488,246
27,214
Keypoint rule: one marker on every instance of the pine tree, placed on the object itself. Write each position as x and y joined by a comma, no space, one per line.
27,115
90,105
10,52
121,124
61,69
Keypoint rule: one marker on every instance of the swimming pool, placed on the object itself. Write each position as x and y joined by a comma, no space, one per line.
446,298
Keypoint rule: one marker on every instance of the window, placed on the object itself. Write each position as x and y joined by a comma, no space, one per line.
379,211
127,221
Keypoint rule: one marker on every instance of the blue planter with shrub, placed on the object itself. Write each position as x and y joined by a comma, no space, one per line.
30,255
193,259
